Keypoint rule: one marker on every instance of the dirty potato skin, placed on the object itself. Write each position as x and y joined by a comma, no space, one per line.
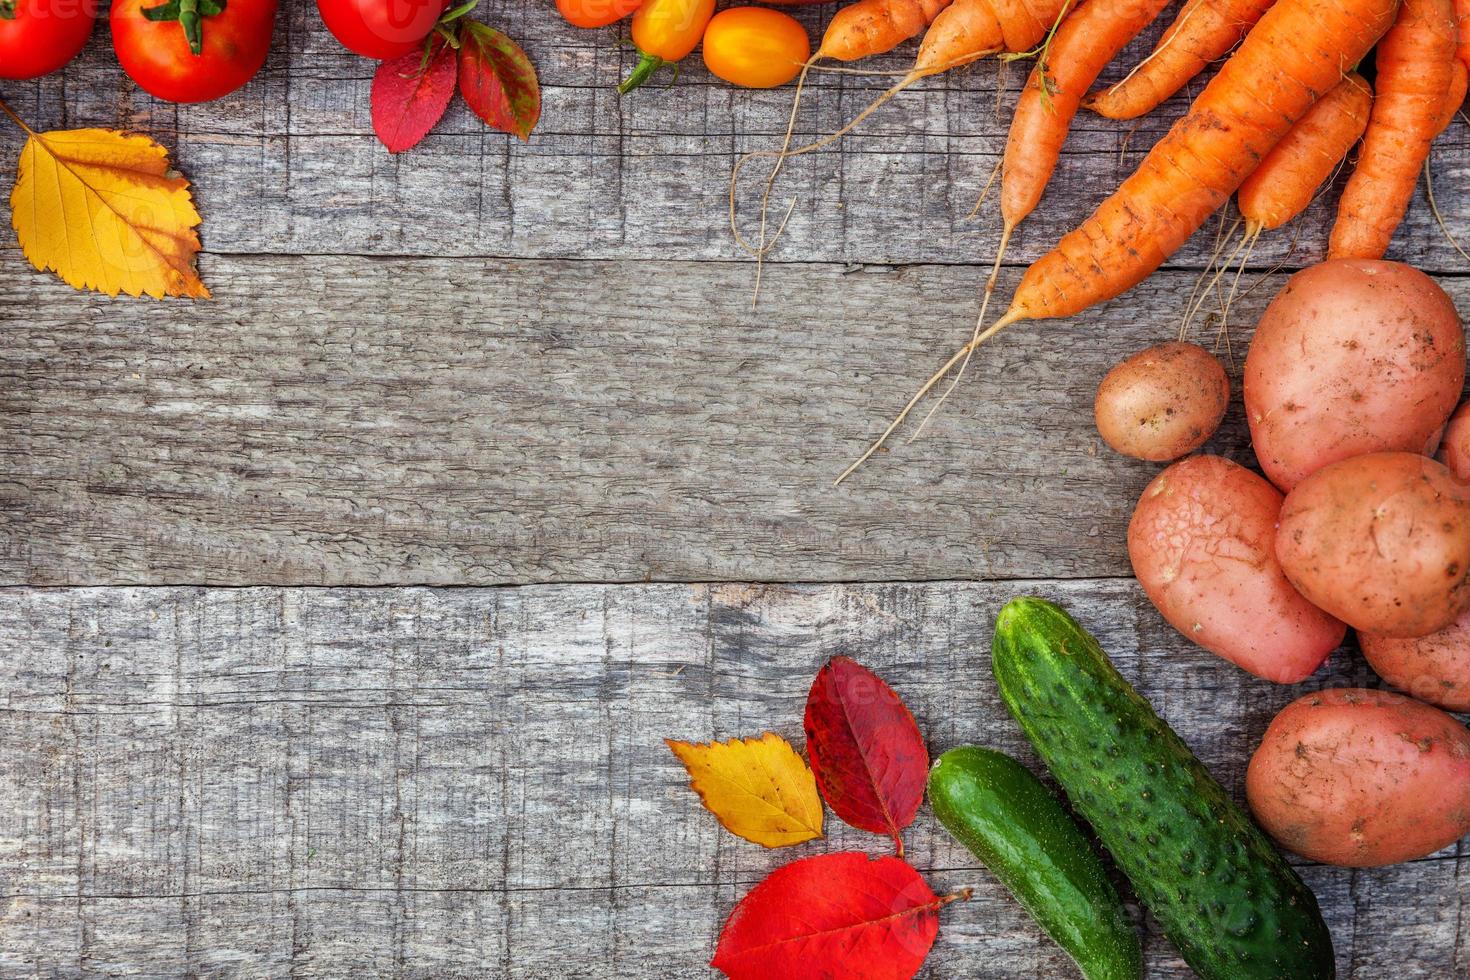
1380,541
1353,356
1454,448
1162,403
1202,542
1361,778
1433,668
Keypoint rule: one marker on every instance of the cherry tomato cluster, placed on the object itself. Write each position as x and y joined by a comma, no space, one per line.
196,50
750,46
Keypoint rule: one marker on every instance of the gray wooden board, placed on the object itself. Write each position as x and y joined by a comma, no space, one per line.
472,782
486,362
289,164
346,420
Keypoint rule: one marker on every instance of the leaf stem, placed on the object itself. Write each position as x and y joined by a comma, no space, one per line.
18,121
963,895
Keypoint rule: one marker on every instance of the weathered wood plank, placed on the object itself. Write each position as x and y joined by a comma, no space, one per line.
471,782
289,164
356,421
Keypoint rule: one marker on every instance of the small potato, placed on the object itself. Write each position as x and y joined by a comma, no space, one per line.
1454,448
1380,541
1361,778
1162,403
1353,356
1203,545
1433,668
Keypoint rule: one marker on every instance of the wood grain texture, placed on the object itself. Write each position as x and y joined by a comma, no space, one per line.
289,164
472,782
408,421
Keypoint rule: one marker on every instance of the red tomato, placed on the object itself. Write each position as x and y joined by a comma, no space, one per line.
596,13
39,36
226,50
381,29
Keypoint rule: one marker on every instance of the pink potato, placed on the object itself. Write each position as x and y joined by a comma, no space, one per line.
1162,403
1361,778
1353,356
1454,447
1203,545
1380,541
1433,668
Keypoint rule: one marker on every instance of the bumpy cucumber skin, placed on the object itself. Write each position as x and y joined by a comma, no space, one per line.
994,806
1223,895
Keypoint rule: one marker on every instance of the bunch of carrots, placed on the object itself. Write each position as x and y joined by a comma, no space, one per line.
1274,123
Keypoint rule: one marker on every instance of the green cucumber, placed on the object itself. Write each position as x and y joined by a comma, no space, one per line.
1222,894
994,806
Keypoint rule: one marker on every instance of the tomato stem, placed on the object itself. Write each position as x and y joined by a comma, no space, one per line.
7,9
190,14
647,65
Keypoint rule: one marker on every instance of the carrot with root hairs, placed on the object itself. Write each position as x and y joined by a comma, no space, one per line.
1204,31
1068,65
871,27
1289,176
1297,52
1414,76
962,32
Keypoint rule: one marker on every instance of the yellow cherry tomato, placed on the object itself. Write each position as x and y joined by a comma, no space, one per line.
755,47
665,31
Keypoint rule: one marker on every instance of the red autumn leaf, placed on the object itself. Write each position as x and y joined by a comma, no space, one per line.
834,915
410,95
498,80
866,751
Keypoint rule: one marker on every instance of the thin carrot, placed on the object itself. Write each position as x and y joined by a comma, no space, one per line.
1081,48
1414,77
1069,63
1296,52
961,32
871,27
1462,16
1459,83
1204,31
1288,177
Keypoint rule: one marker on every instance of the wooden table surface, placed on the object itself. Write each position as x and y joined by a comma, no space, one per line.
342,617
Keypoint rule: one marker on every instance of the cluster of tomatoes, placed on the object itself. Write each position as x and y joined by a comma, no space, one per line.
196,50
751,46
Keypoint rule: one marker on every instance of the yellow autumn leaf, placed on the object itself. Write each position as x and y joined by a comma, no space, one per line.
104,210
759,788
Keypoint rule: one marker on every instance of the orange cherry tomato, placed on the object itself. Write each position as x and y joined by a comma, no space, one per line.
665,31
755,47
595,13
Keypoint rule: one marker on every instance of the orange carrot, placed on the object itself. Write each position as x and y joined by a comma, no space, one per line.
1462,15
1068,63
1204,31
1076,55
961,32
1414,77
1459,82
1283,185
1294,54
871,27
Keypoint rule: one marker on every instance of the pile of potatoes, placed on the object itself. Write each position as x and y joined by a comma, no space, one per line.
1361,520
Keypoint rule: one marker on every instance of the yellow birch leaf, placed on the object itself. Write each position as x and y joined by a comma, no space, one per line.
759,788
104,210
